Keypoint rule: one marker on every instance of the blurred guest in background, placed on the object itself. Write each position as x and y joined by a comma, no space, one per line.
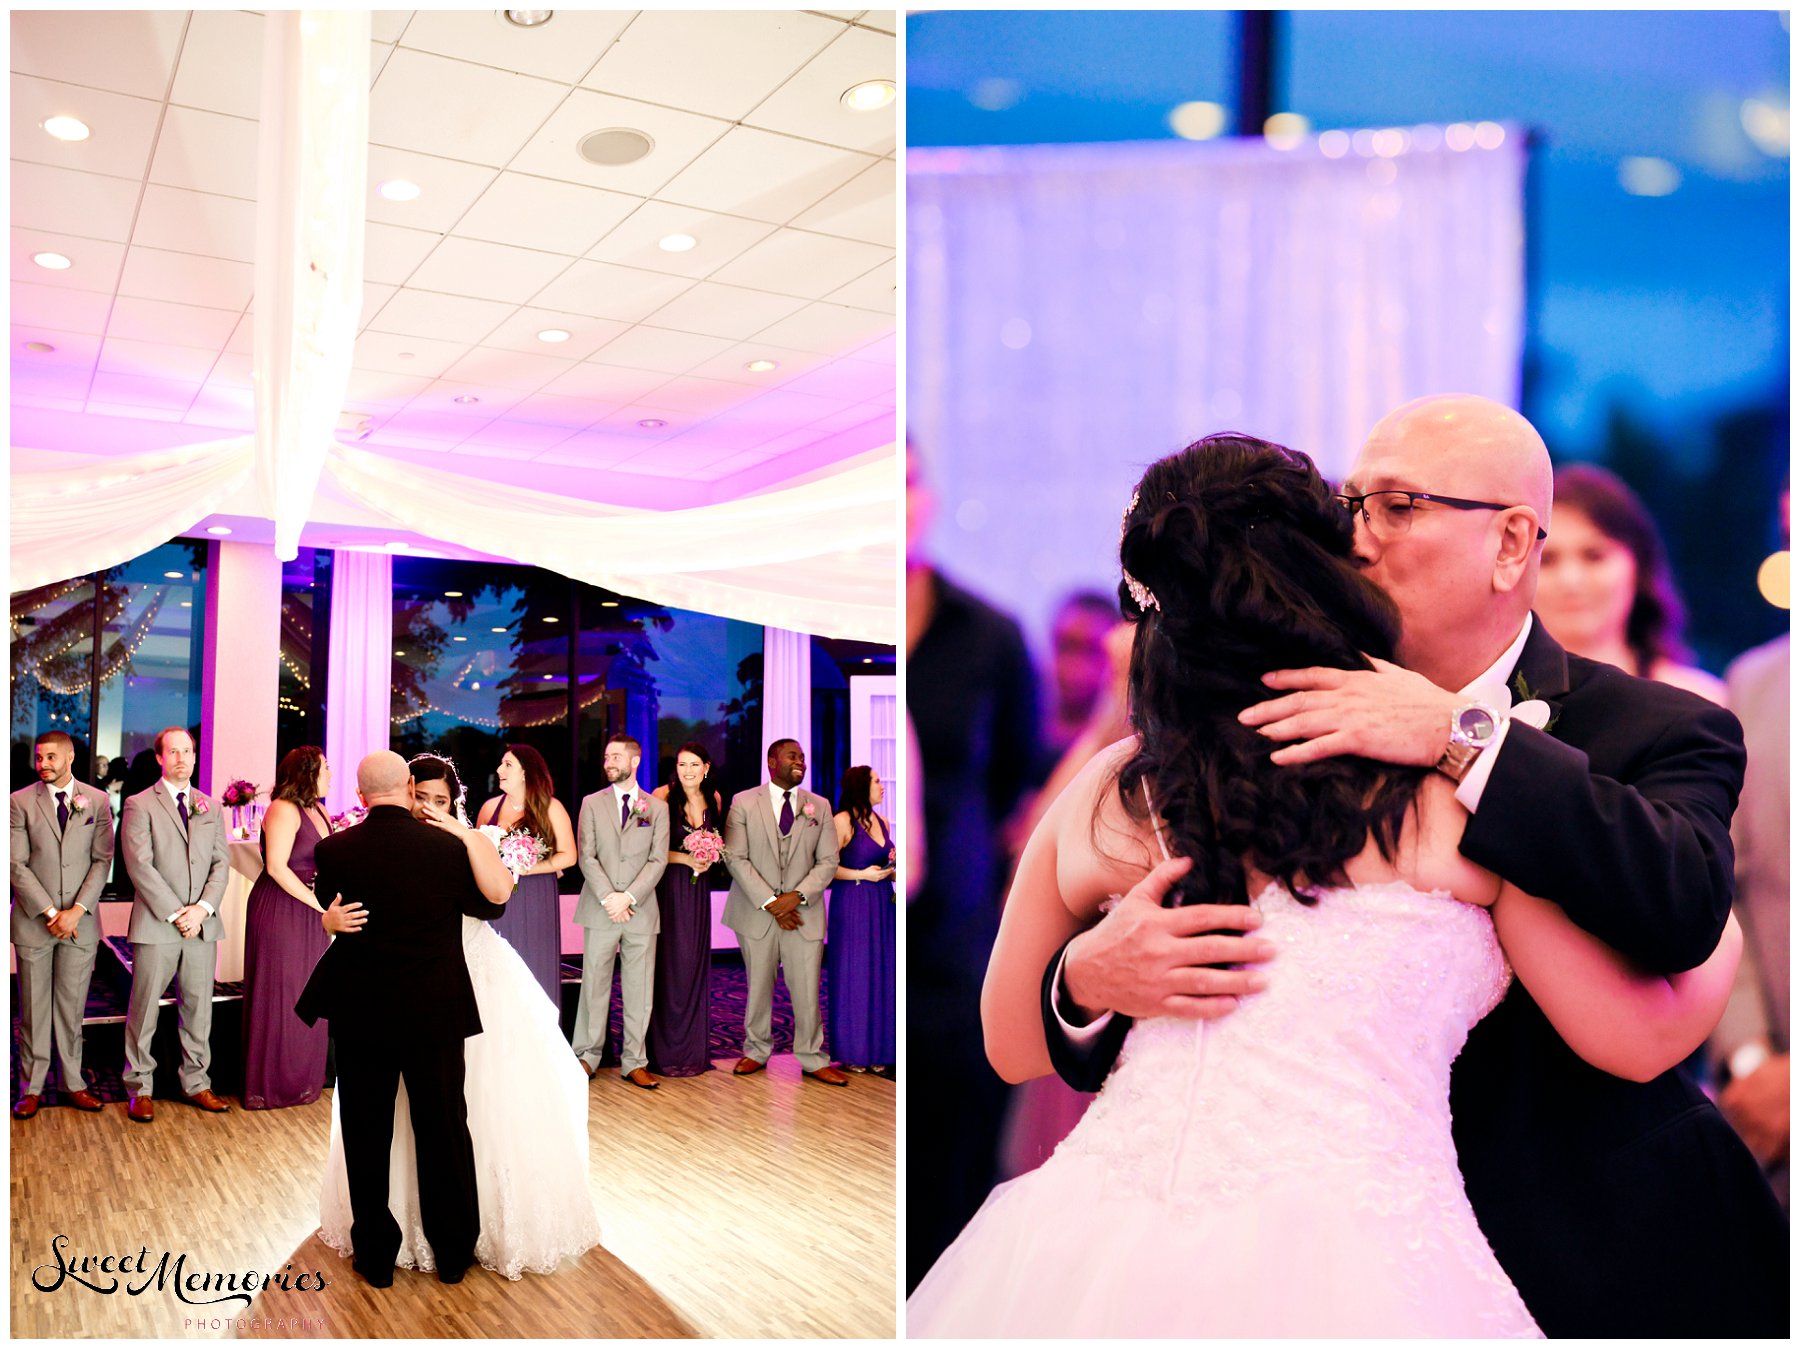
284,1058
1079,665
860,927
1605,590
679,1015
972,699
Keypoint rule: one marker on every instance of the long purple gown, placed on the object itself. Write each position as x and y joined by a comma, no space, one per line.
533,924
676,1042
859,956
284,1058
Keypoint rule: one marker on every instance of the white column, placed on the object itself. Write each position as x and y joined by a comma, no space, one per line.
241,670
359,687
787,691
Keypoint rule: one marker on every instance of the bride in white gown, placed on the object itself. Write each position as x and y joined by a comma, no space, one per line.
1288,1169
527,1098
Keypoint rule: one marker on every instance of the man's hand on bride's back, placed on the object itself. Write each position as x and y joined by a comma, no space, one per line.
1144,960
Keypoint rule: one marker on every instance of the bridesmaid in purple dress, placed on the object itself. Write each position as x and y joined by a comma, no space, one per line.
284,1058
533,921
679,1002
860,926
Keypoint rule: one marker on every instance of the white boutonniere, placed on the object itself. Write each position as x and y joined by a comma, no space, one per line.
1533,712
809,810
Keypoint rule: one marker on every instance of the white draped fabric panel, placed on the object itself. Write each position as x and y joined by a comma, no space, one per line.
1075,312
359,693
787,693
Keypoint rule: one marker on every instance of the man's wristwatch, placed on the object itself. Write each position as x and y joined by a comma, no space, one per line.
1472,729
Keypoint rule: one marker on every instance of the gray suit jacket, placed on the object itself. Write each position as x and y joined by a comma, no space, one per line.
172,867
763,863
51,868
631,859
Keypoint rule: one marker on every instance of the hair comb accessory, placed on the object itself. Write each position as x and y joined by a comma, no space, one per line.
1140,593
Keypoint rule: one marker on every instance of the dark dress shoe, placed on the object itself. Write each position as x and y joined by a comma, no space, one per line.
207,1101
746,1066
25,1107
381,1280
82,1100
452,1275
830,1076
140,1110
638,1077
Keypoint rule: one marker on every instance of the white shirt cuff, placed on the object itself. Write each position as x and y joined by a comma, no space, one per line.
1079,1035
1474,782
203,904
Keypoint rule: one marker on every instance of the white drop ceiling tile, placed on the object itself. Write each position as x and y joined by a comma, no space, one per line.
142,412
606,291
863,208
441,394
730,365
221,63
586,335
515,370
545,213
847,15
403,438
488,271
185,278
697,399
206,151
387,25
793,262
379,53
849,381
623,421
433,425
883,350
197,222
722,63
452,108
421,313
811,104
74,351
223,406
184,325
27,399
642,347
885,20
777,412
718,239
876,290
132,52
594,449
379,388
714,310
123,129
417,356
243,337
392,253
75,311
557,414
481,446
374,298
677,137
886,402
526,440
447,188
763,175
143,391
95,262
563,49
65,201
233,371
604,386
831,328
40,373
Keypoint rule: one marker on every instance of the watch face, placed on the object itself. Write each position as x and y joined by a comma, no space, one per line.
1476,725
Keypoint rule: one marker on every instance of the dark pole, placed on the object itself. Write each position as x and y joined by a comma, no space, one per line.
1531,356
93,732
573,619
1256,52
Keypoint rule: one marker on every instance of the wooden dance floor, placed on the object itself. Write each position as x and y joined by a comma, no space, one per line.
729,1207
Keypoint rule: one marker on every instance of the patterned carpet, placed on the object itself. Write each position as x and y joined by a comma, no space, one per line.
104,1056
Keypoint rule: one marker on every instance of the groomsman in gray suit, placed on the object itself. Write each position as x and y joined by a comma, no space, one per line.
62,845
781,849
623,846
174,846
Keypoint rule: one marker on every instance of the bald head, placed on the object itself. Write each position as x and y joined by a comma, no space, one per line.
382,774
1471,447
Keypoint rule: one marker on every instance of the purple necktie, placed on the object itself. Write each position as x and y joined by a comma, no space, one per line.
181,805
624,811
62,810
787,811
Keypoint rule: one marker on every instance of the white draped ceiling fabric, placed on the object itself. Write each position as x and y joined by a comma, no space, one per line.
1075,312
358,709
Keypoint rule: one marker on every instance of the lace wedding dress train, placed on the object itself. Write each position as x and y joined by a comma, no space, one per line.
528,1113
1285,1171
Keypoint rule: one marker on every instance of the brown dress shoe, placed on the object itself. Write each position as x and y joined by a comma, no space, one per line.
830,1076
82,1100
746,1066
25,1107
639,1077
584,1067
207,1101
140,1110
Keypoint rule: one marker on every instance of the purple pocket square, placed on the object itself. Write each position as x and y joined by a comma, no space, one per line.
643,824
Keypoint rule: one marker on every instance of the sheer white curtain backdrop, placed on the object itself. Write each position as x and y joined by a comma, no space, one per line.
1076,312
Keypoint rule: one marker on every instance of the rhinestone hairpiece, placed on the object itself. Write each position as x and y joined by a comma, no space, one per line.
1140,593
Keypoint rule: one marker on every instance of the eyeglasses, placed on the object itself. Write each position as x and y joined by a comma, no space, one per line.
1389,513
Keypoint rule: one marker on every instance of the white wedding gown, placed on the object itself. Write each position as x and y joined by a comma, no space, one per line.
1286,1170
528,1116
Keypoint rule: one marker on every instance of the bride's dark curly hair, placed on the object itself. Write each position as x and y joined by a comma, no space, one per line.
1247,554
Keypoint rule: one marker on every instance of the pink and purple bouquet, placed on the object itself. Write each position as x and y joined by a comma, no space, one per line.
706,848
520,850
350,818
239,792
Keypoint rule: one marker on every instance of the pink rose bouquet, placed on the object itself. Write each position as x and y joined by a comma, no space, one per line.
706,848
520,850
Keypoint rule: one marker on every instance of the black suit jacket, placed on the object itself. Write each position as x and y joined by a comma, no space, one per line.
402,976
1616,1207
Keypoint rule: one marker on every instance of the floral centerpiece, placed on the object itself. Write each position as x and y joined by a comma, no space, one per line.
520,850
240,794
706,848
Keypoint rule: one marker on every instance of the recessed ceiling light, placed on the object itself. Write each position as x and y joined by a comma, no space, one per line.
465,398
399,189
614,146
54,262
760,366
406,355
39,347
868,660
554,335
868,96
609,604
652,423
220,530
67,128
174,575
459,639
399,653
453,594
187,604
496,629
677,243
527,18
551,618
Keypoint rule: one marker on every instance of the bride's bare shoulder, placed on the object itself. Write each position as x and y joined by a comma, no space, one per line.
1100,848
